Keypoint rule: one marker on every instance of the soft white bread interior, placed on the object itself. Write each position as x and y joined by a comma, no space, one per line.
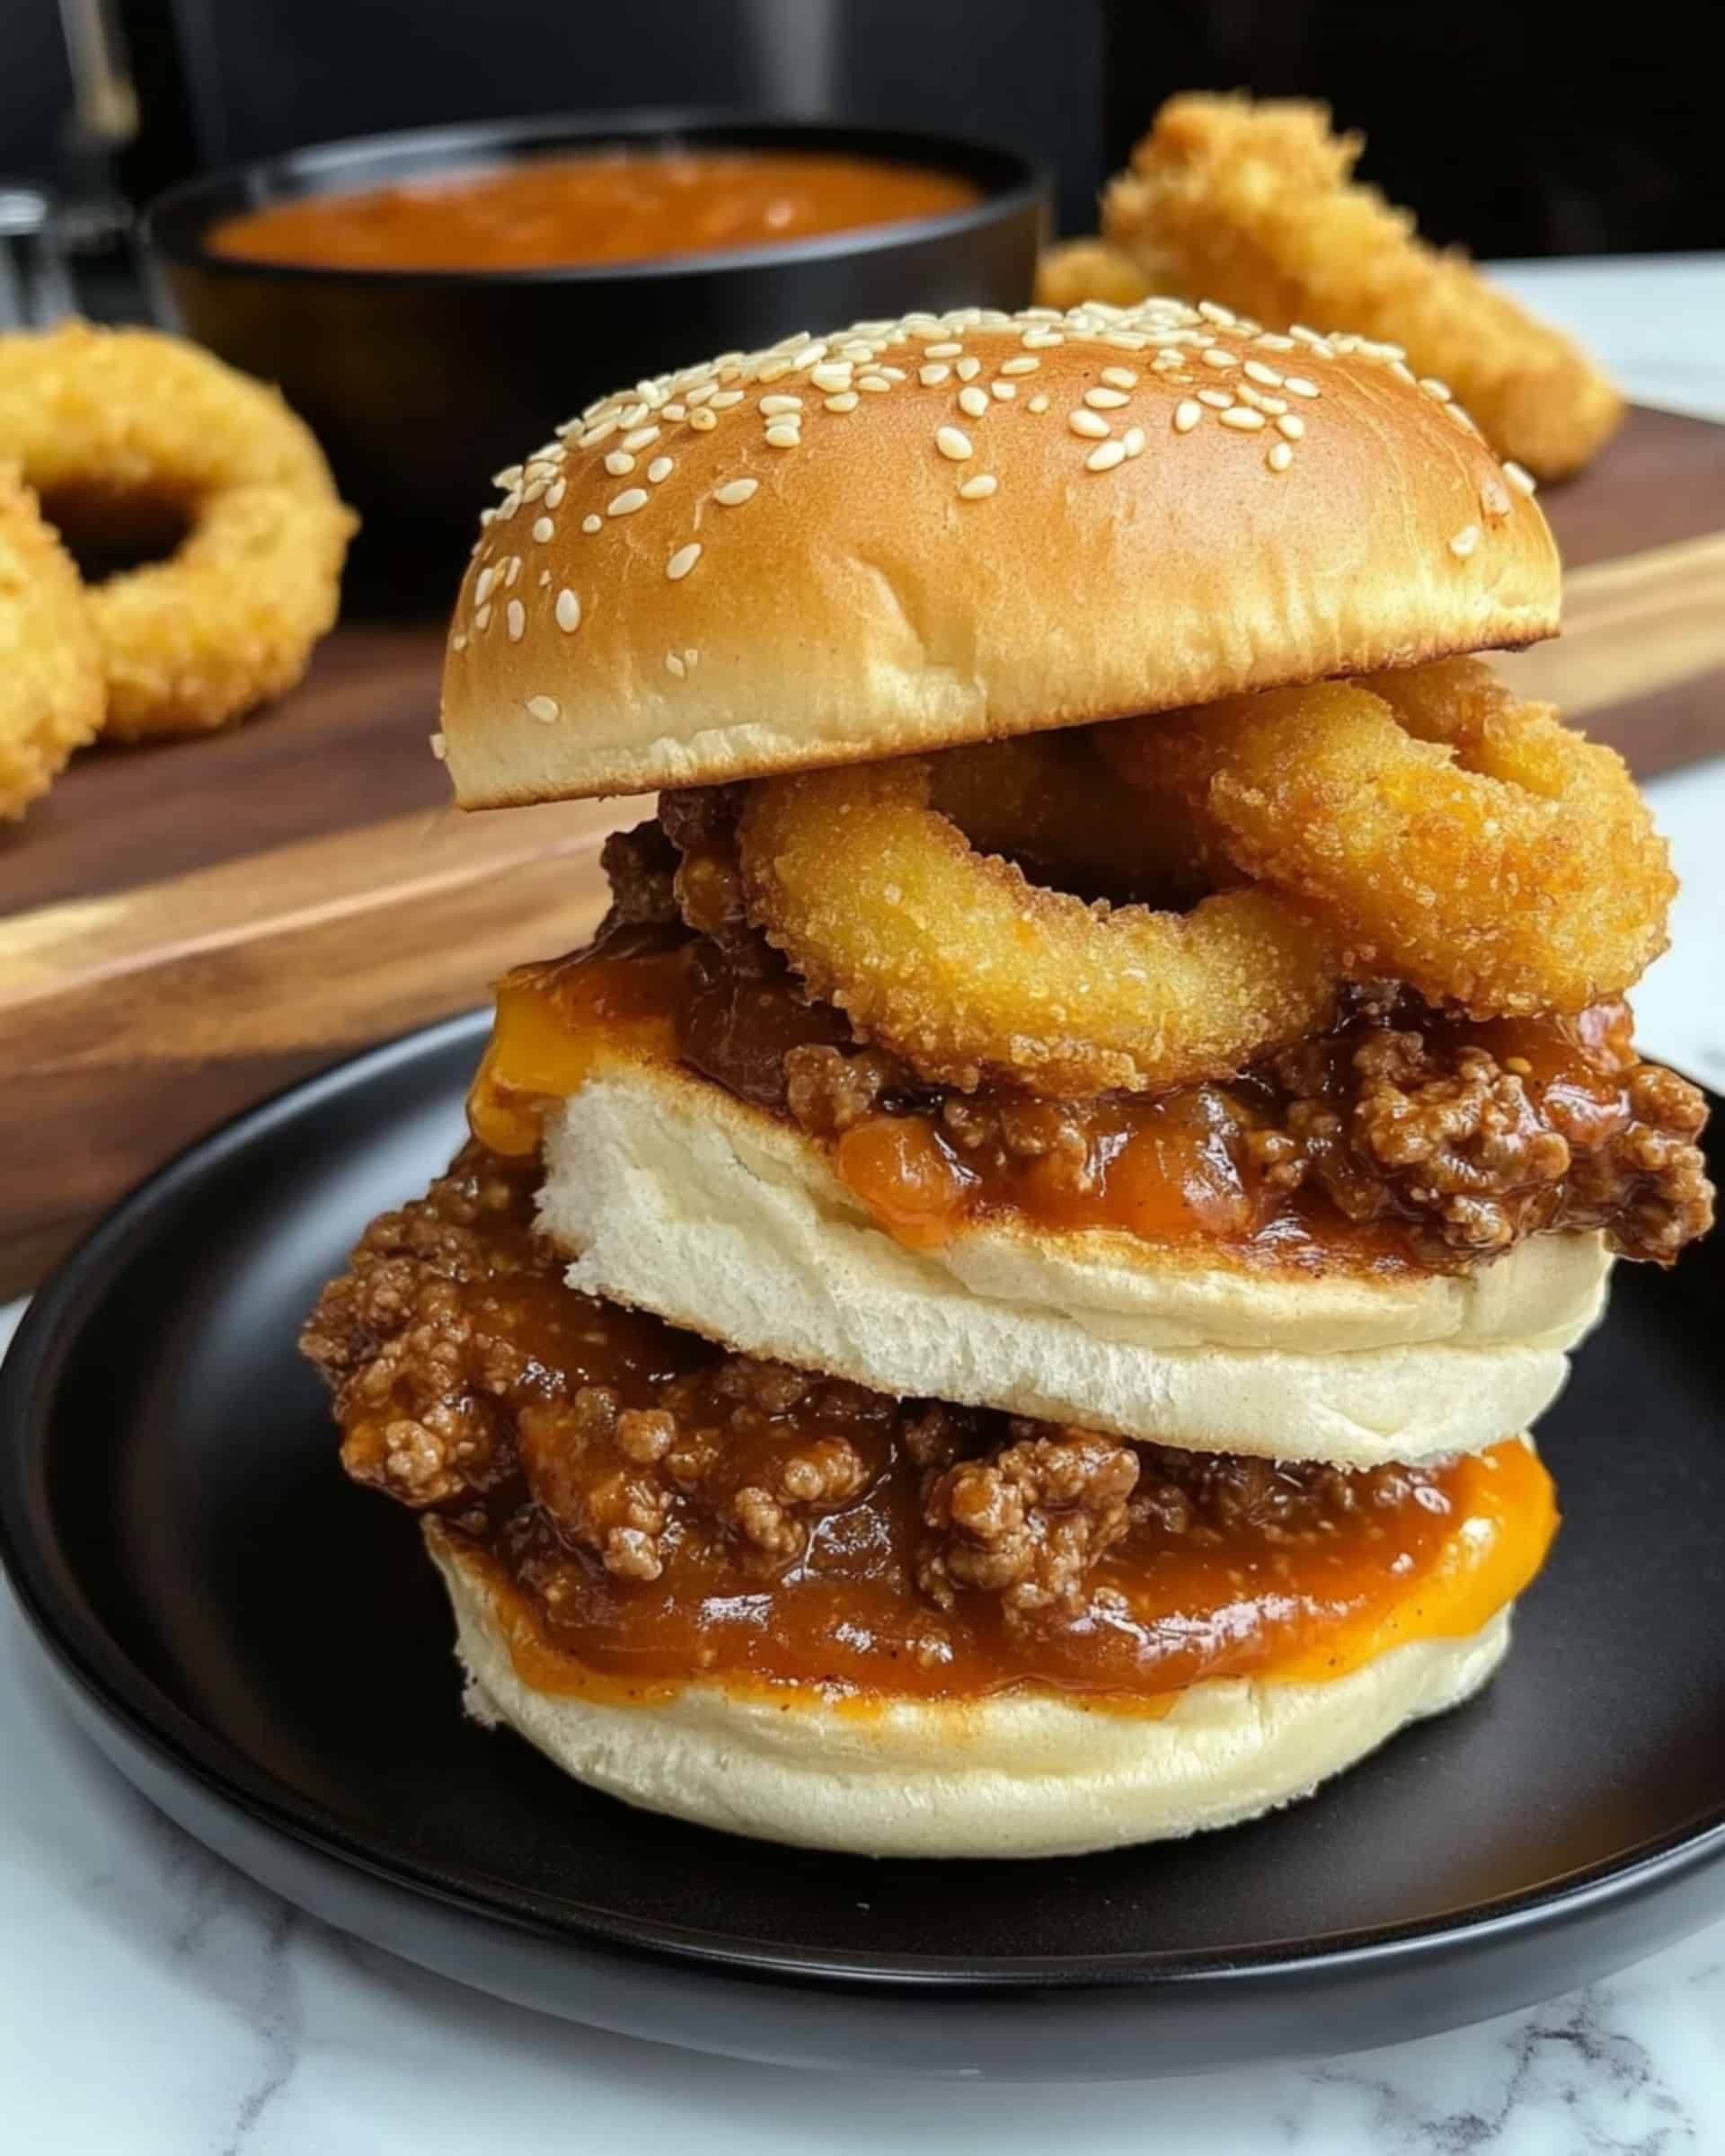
1029,1774
672,1195
906,535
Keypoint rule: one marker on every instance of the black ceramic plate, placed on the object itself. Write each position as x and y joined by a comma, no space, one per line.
263,1649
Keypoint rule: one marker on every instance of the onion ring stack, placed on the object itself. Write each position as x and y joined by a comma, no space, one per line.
119,430
50,664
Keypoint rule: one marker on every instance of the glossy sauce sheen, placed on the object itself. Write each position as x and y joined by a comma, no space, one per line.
1364,1563
1160,1167
610,207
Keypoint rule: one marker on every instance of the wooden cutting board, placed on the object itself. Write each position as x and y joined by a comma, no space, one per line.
187,927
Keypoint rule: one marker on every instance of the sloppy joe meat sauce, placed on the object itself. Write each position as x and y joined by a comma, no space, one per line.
651,1508
610,206
1197,1164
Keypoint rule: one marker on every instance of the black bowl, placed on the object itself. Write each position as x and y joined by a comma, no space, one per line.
421,384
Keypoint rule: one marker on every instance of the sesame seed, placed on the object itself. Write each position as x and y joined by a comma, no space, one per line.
942,351
772,406
735,491
931,375
1296,385
1090,424
1005,391
783,434
1242,417
1402,371
619,461
775,370
1519,477
703,419
1433,387
1187,414
516,615
1022,364
691,657
953,444
555,493
1274,343
482,617
683,561
846,400
592,524
1280,456
973,400
1106,400
1105,456
968,368
1039,402
440,746
1255,370
1218,356
831,374
1218,399
1292,424
660,469
1134,440
1041,340
543,528
546,709
1494,498
1119,378
569,611
643,437
701,393
1212,312
676,411
723,400
1464,541
979,488
482,585
627,503
459,641
674,665
511,570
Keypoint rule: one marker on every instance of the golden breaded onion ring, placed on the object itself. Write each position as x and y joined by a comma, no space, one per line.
968,970
1450,835
50,665
120,424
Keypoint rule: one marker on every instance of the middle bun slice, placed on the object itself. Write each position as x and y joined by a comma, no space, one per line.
672,1194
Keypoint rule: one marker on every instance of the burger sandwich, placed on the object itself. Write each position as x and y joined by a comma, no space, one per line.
995,1308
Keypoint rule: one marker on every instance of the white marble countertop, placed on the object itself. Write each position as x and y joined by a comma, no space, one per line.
153,2002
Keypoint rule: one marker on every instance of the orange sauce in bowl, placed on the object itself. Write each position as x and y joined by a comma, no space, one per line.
608,206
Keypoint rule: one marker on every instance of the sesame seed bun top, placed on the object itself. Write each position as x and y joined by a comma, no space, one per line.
906,535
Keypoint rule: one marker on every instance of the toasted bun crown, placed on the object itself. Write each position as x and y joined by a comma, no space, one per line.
912,534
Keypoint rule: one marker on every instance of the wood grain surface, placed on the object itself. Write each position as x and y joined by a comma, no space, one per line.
186,927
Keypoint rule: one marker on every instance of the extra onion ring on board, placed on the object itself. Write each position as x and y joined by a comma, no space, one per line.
50,664
1453,836
968,970
115,428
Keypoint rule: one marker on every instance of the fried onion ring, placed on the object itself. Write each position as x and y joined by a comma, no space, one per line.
969,971
1253,203
50,665
123,429
1453,836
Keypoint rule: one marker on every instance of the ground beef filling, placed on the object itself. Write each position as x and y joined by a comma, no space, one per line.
666,1507
1422,1136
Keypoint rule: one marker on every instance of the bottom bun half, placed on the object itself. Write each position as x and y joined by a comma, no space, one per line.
1024,1775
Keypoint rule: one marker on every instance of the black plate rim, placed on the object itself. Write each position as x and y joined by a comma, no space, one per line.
175,223
123,1695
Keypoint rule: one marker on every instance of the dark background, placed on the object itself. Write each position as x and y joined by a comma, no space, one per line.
1515,128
